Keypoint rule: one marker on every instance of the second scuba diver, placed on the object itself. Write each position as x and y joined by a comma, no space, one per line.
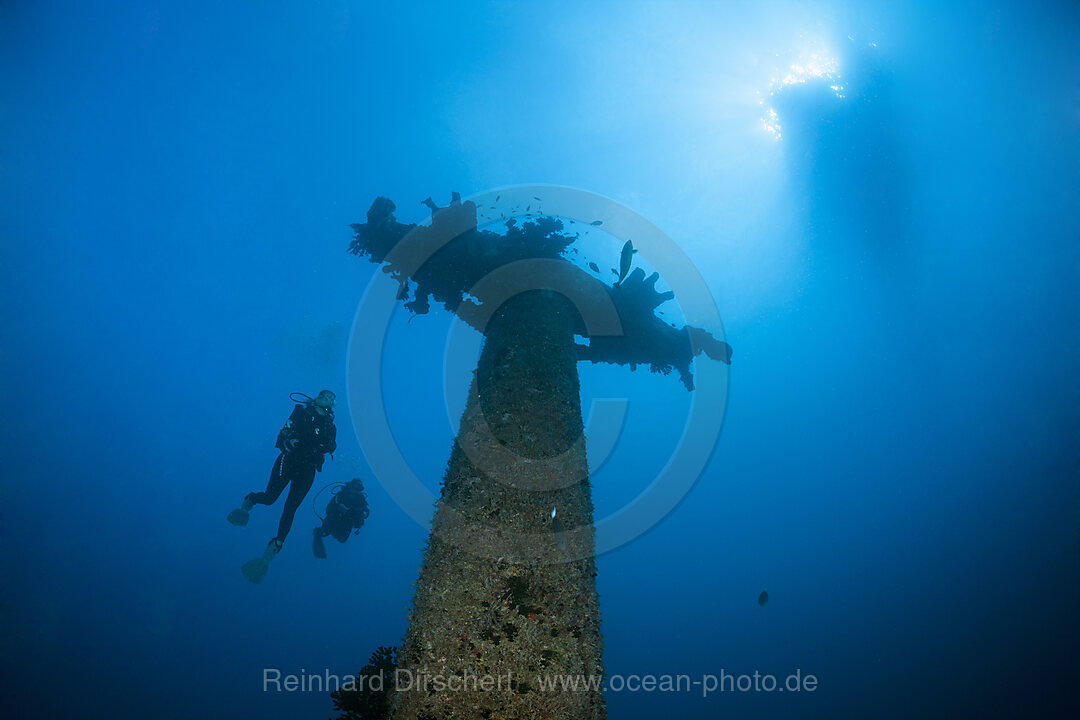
345,512
306,437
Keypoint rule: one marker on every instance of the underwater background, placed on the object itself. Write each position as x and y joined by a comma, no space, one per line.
881,198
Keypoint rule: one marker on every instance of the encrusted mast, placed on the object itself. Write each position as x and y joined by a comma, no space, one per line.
506,595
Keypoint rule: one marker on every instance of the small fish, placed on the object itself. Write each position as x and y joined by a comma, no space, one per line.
763,598
559,530
597,223
497,198
535,198
625,260
593,266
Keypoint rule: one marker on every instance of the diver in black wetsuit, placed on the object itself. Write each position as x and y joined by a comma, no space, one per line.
346,511
308,434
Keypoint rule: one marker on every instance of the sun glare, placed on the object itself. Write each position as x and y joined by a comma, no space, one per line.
815,66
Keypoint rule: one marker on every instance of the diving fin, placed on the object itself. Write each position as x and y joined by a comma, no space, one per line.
318,547
240,515
255,569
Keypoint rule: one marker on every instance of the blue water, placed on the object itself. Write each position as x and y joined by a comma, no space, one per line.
893,253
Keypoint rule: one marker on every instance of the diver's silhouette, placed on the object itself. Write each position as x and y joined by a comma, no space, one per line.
306,437
346,511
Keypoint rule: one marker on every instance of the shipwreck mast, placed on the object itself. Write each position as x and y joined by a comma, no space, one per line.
525,613
506,593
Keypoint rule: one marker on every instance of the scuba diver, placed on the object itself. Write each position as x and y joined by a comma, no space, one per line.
308,434
345,513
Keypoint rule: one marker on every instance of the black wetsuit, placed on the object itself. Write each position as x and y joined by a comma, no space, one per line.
306,437
346,511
